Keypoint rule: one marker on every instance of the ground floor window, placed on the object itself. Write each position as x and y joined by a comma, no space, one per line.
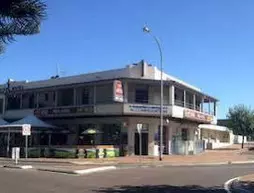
106,134
85,138
184,134
111,134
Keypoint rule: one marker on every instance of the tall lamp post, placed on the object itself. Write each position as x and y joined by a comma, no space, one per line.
7,91
147,30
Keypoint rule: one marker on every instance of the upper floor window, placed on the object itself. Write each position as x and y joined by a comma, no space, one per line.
13,102
1,105
45,99
85,96
46,96
179,97
28,100
65,97
141,95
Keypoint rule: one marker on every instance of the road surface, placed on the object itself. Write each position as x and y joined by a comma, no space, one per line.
164,179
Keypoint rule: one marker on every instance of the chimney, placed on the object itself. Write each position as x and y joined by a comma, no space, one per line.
143,68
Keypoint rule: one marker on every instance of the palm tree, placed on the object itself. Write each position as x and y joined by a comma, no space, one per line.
19,17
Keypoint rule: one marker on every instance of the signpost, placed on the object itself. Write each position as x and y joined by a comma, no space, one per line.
139,128
26,131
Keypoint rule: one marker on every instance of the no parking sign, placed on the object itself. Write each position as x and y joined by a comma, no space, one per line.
26,129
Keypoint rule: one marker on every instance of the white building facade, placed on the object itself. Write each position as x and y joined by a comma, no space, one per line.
114,102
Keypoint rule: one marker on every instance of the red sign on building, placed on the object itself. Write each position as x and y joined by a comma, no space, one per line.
118,91
195,115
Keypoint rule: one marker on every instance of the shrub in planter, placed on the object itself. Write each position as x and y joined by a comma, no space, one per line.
64,154
90,153
34,152
109,152
48,152
117,152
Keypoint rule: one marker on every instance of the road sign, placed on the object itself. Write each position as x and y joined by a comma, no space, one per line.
26,129
139,127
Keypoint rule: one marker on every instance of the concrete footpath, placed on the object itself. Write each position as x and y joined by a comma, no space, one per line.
230,155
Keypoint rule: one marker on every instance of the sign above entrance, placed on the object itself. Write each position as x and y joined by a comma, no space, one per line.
147,109
195,115
26,129
118,91
64,111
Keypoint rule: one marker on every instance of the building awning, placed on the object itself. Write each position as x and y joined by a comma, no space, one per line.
33,121
213,127
37,125
3,122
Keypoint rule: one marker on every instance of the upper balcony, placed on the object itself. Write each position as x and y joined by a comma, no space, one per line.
140,97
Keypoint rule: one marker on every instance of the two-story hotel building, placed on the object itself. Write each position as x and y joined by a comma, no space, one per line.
114,102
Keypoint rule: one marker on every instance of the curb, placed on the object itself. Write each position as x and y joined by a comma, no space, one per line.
18,166
182,165
79,172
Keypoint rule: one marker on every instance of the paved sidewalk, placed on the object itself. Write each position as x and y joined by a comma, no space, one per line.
232,154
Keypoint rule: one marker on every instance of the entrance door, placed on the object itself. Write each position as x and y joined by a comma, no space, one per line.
144,143
165,139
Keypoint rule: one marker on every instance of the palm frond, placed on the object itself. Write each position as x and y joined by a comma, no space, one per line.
20,17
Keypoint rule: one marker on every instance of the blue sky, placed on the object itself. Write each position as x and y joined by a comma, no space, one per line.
209,44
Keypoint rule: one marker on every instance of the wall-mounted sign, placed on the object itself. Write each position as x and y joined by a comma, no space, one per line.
118,91
63,111
148,108
195,115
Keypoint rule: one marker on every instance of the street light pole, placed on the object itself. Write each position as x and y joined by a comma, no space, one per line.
147,30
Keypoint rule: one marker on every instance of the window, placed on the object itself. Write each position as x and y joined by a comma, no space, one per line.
65,97
111,134
184,134
86,139
31,101
1,105
13,102
141,95
46,96
54,96
85,96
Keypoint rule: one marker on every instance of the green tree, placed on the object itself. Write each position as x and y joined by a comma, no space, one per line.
241,120
19,17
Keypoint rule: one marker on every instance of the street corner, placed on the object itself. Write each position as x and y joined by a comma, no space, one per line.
241,184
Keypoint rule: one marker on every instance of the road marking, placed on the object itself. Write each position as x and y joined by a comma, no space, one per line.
92,170
228,183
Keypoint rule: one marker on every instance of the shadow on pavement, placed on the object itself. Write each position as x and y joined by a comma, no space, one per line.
246,185
161,189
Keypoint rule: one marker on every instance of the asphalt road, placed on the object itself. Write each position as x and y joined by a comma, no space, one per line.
164,179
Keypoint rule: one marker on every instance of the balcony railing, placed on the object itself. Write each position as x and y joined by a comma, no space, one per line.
179,103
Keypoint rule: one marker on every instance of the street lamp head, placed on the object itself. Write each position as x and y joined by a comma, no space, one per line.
146,29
